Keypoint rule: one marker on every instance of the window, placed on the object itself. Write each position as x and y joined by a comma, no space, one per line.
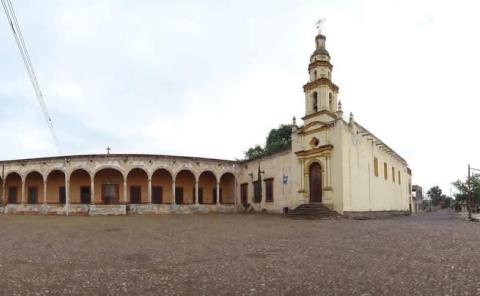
157,194
257,192
385,170
135,194
393,174
62,197
315,101
269,190
12,195
399,180
330,102
375,166
244,193
315,75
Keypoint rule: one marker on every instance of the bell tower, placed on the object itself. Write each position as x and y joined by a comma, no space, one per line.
320,91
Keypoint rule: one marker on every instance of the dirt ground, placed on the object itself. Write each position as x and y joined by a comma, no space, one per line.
239,254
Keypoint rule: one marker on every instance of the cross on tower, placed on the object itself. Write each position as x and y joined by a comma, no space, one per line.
108,149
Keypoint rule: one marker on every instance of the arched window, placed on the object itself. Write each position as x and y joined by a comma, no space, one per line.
315,101
315,75
330,101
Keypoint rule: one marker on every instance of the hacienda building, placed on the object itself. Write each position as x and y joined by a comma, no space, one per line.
334,163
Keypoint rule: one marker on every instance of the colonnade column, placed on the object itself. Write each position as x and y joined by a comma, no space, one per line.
218,193
4,190
67,194
23,192
44,191
173,192
92,190
196,192
125,190
149,190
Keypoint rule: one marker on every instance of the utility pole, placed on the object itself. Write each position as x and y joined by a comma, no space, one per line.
469,195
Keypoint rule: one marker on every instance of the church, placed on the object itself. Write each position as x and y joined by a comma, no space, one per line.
334,163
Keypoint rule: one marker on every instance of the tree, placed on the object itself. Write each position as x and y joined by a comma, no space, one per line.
435,194
278,139
254,152
462,189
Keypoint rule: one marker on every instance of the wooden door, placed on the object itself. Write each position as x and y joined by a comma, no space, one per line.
110,193
32,195
85,194
244,194
135,194
12,195
62,196
157,194
179,195
315,182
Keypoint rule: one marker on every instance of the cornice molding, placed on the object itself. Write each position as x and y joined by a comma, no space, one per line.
319,82
320,64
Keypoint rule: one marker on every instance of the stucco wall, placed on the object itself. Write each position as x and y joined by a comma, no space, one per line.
274,166
363,190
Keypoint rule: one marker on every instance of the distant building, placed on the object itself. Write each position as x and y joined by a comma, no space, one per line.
417,199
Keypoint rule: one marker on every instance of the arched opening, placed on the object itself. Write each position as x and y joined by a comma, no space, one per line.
137,181
207,188
227,188
13,188
330,102
162,187
185,187
34,188
56,187
80,191
315,101
315,179
108,186
315,75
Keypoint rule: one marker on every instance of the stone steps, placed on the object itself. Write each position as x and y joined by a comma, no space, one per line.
312,211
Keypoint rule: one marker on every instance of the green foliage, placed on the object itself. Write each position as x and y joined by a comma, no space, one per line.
278,139
254,152
462,189
435,194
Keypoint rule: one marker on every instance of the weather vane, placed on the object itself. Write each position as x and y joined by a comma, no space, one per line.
319,25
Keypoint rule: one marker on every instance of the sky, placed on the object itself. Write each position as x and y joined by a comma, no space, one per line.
211,78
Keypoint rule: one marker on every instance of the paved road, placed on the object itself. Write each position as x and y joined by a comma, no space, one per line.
428,254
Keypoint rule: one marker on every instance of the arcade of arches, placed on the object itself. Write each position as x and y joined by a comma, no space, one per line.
110,186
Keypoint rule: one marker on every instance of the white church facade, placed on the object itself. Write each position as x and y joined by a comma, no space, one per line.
333,162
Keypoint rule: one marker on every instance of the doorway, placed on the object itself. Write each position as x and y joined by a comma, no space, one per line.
315,175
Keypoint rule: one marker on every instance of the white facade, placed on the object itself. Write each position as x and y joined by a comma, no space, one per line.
346,152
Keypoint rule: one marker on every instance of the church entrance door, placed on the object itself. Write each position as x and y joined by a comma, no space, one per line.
315,182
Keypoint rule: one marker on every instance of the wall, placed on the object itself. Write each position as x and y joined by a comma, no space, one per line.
55,180
138,177
78,179
274,166
163,179
363,191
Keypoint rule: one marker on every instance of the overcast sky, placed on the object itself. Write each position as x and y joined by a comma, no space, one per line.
211,78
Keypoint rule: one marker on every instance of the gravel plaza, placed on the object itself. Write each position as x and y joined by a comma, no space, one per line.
244,254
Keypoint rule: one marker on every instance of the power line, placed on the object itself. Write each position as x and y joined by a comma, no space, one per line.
17,34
